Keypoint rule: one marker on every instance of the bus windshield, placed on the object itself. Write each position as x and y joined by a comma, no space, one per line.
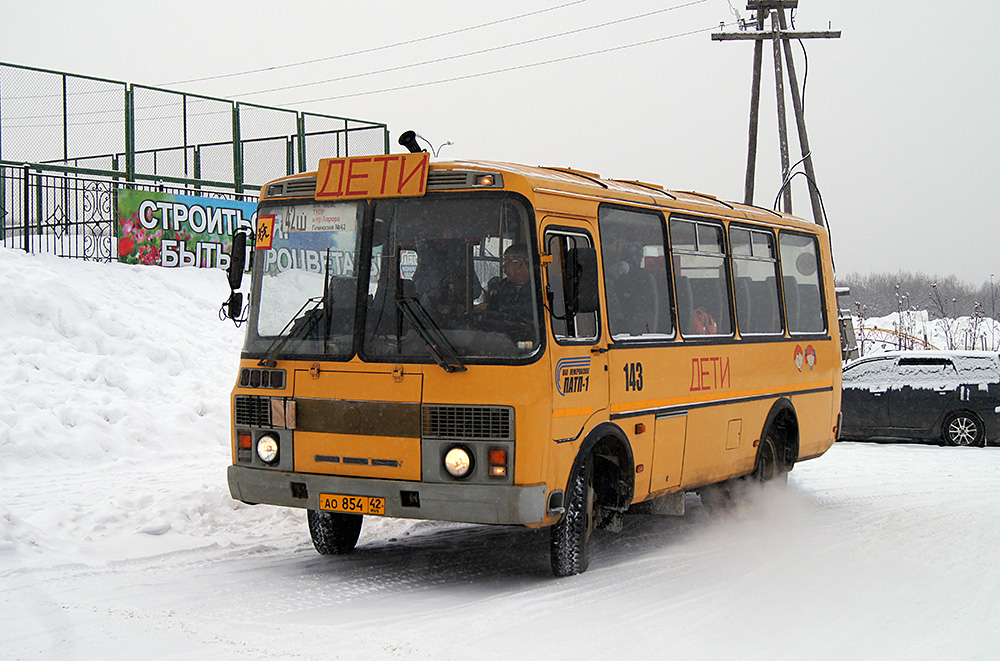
449,280
305,283
454,272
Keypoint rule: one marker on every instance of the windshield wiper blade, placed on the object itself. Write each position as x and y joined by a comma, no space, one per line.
441,349
279,342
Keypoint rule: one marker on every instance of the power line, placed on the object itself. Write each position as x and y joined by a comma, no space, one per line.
378,48
411,85
472,53
507,69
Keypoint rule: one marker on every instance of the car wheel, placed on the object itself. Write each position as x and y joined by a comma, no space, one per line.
570,541
334,533
962,428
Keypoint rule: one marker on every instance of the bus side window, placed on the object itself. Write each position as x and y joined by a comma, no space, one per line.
581,326
699,259
755,277
635,274
800,281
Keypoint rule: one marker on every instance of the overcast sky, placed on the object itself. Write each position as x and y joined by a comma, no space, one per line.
901,111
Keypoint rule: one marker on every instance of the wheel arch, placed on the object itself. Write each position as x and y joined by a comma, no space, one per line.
613,466
784,422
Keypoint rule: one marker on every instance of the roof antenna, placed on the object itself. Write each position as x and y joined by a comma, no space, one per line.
409,140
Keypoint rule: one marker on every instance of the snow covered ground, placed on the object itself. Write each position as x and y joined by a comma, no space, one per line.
118,538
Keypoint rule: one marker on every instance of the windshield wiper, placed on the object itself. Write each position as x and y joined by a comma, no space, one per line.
442,350
311,304
276,345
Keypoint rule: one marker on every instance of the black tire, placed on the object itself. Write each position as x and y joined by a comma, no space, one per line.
962,429
570,541
769,467
334,533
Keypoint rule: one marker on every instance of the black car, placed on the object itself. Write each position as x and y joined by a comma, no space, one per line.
947,396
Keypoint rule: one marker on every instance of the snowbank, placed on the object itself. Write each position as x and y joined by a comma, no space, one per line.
106,363
114,415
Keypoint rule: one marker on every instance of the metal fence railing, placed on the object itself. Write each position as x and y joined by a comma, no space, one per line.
67,142
68,213
142,132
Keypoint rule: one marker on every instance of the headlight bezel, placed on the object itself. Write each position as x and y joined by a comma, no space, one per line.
268,449
459,461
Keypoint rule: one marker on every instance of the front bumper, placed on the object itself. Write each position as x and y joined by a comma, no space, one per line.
467,503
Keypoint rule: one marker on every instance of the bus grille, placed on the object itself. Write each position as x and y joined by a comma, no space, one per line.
253,411
492,423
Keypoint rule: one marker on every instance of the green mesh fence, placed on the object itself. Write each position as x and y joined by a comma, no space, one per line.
146,133
68,142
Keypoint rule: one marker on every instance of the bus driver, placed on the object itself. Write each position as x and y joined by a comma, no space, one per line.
511,294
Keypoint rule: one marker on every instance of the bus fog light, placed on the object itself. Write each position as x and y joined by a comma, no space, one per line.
458,462
267,449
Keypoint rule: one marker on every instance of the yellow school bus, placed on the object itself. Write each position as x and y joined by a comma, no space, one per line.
500,344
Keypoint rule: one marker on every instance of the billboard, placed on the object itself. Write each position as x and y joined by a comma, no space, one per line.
167,229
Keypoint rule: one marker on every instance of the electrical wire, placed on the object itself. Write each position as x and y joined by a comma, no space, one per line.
390,69
472,53
805,59
822,205
411,85
503,70
349,54
378,48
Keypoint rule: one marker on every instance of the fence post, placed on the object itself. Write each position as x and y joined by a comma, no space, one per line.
196,156
301,129
237,151
129,134
65,121
27,205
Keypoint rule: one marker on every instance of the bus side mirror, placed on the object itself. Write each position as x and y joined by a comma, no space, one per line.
234,306
237,259
580,279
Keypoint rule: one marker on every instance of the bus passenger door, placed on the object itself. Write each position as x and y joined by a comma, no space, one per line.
578,366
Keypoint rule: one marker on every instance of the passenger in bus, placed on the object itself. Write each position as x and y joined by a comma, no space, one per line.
702,323
633,299
443,282
511,295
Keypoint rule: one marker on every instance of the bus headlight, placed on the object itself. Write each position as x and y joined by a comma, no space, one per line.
458,462
267,448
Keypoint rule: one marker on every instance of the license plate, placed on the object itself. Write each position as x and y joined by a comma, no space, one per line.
334,502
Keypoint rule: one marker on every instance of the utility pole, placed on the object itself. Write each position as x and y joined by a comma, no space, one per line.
780,37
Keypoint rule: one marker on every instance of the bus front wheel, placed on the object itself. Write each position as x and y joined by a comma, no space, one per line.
334,533
570,541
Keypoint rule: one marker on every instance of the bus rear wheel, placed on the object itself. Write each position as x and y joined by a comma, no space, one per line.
570,541
769,469
334,533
